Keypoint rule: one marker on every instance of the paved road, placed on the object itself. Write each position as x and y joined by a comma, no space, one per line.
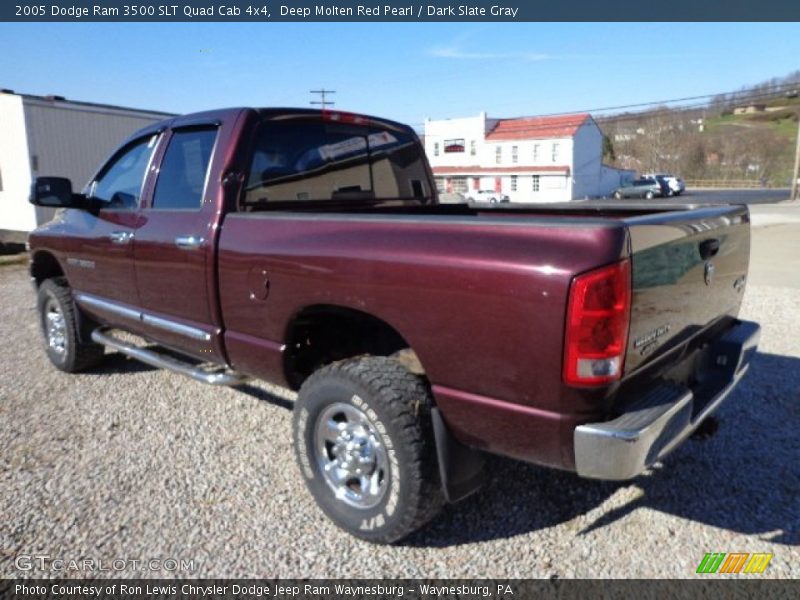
130,462
757,196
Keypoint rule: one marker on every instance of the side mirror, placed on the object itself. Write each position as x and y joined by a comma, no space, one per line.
55,192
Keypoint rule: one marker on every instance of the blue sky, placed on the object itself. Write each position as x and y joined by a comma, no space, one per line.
404,71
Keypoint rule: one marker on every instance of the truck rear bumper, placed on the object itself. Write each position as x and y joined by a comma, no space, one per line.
666,415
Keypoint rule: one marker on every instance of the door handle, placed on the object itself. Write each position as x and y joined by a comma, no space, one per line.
188,242
121,237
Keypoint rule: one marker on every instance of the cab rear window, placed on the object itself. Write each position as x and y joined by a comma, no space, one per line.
306,160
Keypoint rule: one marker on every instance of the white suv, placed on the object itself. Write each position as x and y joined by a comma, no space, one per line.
486,196
676,185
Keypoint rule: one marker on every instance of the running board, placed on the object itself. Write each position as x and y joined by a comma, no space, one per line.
170,363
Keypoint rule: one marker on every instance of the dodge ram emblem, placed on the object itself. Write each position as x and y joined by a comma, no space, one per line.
709,273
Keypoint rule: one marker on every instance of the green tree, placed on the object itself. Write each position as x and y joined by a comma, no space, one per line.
608,150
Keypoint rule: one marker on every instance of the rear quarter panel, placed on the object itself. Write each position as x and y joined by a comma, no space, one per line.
480,300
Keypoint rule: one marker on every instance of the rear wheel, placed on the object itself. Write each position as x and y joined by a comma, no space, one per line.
59,320
649,195
618,195
363,440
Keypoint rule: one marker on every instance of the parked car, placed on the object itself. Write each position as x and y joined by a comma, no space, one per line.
486,196
646,187
307,248
452,198
675,184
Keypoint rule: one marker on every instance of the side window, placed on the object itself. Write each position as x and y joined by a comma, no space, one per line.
182,177
120,183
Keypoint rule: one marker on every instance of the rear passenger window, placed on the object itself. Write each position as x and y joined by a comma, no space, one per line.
184,170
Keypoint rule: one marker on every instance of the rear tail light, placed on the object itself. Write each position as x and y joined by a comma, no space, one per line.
598,315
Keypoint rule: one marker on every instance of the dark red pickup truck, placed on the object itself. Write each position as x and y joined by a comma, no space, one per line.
308,249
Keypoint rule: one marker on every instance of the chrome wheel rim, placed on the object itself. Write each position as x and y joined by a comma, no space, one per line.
351,456
55,328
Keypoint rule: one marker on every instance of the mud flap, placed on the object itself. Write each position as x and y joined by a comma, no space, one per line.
461,468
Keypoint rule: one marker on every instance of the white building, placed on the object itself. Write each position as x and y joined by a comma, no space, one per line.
531,159
55,137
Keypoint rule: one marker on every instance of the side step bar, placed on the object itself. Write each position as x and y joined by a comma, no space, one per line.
164,361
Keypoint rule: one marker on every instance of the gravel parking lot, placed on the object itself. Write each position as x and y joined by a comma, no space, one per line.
128,462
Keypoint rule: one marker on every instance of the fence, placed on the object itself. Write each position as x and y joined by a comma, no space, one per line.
729,183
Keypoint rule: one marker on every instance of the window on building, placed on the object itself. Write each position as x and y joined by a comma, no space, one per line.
182,176
536,153
498,154
472,149
514,153
456,145
436,148
535,183
555,152
513,183
459,184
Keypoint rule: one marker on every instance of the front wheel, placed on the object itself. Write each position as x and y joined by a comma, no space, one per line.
649,195
363,440
59,320
618,195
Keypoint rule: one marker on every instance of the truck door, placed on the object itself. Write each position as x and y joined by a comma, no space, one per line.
100,268
174,249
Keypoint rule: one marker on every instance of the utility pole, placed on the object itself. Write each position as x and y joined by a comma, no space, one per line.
322,102
796,171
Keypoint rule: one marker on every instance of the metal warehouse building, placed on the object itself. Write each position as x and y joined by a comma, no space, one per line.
49,135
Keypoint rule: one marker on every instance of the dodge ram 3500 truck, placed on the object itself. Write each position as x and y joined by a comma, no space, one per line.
308,249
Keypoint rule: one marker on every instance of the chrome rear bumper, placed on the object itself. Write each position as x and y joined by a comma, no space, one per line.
656,423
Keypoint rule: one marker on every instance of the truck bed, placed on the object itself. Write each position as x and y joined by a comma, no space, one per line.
480,295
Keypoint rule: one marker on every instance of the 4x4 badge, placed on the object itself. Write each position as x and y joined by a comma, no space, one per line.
709,272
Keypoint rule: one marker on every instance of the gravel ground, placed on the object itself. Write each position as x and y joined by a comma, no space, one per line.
128,462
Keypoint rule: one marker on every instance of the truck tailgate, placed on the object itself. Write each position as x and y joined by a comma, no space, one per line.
689,271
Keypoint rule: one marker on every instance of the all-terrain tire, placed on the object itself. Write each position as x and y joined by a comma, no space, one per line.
58,317
388,409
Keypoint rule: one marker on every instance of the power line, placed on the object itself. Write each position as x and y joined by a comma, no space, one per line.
738,97
322,102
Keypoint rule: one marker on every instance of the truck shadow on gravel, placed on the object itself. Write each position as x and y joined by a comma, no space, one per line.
116,363
746,478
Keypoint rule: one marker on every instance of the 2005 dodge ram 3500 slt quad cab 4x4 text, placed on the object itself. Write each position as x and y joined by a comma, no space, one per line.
308,249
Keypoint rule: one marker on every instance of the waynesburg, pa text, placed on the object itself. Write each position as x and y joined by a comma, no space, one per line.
267,591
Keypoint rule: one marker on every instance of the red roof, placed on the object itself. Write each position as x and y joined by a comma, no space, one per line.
500,170
537,127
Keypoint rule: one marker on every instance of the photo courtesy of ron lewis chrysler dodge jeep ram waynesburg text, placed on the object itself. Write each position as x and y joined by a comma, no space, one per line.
308,249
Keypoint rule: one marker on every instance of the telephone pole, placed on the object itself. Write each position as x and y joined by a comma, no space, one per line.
322,102
796,171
